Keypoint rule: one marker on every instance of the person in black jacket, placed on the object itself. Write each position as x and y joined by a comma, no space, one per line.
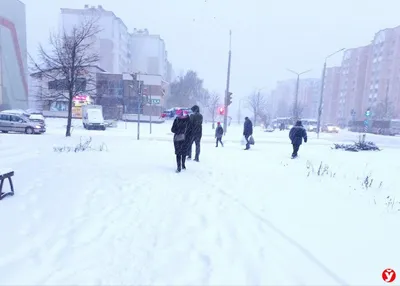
247,131
219,132
196,131
181,129
296,135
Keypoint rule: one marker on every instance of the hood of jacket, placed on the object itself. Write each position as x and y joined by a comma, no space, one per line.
195,109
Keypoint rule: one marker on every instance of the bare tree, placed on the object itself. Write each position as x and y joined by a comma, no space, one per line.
257,103
214,101
69,64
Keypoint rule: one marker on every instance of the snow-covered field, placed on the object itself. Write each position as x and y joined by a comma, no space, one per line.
122,216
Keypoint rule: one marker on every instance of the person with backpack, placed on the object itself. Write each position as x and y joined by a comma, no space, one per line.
219,132
296,135
181,129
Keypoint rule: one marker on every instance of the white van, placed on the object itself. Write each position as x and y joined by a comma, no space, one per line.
92,117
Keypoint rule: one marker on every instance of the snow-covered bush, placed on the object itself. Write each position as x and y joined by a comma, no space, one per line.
83,146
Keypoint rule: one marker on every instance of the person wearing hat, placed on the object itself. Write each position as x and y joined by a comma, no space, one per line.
180,128
296,135
219,132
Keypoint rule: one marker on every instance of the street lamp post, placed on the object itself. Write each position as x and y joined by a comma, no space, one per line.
296,97
321,97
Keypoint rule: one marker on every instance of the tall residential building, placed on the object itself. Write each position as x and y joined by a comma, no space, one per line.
13,55
352,83
383,71
149,53
331,95
112,42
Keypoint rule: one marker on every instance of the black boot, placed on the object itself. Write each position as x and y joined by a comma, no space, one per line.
178,163
183,162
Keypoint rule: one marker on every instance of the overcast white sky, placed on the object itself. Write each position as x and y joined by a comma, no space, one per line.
268,35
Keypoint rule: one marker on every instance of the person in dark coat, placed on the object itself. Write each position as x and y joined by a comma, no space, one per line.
181,129
247,131
296,135
219,132
196,132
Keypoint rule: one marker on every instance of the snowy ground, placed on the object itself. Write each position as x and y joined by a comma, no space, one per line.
236,218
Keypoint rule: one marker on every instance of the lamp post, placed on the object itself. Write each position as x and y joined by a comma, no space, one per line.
321,97
296,96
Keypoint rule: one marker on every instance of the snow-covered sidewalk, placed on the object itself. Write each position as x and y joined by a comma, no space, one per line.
236,218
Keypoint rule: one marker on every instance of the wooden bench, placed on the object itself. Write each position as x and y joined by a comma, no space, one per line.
3,176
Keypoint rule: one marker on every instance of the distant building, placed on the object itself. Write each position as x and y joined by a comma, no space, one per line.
383,71
352,83
331,95
284,96
121,51
113,41
13,56
149,55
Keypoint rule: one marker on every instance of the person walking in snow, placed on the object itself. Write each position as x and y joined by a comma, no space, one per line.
181,129
296,135
219,132
196,132
247,131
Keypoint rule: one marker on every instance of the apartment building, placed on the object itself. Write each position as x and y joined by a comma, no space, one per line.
383,71
331,95
111,43
149,54
352,83
13,55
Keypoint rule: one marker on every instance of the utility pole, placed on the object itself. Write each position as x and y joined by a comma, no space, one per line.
321,95
227,83
140,98
296,95
151,108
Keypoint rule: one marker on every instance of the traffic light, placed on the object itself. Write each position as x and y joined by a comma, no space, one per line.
368,113
221,111
229,98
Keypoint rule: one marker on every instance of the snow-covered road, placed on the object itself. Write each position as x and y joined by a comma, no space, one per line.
236,218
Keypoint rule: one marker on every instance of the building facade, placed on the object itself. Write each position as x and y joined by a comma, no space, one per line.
382,82
51,92
121,51
112,43
13,56
149,54
331,95
352,83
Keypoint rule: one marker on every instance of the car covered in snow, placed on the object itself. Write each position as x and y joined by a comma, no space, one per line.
330,128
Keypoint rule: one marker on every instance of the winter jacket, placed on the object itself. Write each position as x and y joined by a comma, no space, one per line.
181,126
196,123
248,128
297,134
219,132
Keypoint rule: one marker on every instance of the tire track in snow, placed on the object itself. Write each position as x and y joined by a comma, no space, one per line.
305,252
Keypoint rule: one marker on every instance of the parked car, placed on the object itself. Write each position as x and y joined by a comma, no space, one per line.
330,128
10,122
33,115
